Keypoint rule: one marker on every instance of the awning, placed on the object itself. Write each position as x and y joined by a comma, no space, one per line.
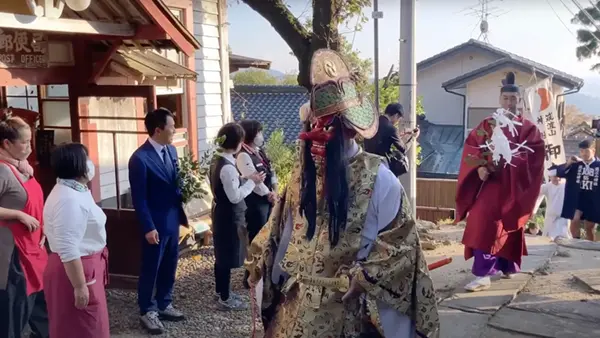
149,68
237,62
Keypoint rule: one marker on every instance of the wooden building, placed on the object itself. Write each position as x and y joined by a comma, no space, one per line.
88,73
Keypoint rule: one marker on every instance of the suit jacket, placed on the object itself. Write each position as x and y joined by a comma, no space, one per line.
386,135
155,191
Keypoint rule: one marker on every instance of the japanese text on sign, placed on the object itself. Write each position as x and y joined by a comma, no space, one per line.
542,106
23,49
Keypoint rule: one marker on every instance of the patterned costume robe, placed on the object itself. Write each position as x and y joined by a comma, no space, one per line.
387,274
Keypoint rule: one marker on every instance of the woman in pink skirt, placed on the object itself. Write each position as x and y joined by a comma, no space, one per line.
77,268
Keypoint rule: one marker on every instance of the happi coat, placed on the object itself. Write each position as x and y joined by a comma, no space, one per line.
498,209
582,189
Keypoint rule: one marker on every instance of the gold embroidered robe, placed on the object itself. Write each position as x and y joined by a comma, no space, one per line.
316,311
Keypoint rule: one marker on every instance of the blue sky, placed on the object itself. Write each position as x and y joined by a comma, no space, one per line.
529,28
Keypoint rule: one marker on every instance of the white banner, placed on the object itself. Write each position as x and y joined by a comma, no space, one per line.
540,108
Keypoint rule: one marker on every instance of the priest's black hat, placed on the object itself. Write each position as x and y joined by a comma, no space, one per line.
508,84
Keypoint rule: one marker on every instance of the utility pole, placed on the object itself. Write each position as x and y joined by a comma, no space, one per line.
407,75
376,16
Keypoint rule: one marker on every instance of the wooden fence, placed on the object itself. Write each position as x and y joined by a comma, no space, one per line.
435,199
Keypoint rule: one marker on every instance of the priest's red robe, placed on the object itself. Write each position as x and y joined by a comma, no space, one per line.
498,209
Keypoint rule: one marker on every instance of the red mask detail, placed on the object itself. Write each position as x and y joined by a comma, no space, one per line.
321,132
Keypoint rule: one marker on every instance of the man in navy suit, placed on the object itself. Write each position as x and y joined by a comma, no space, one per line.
158,204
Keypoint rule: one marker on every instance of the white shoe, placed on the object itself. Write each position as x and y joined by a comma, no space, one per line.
152,323
508,276
479,284
231,294
233,304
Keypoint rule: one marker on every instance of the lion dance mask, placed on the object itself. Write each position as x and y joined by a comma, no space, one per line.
335,113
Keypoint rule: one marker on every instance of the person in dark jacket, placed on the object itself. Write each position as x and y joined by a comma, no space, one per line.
388,136
228,212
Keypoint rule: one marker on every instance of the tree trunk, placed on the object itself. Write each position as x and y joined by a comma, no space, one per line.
302,42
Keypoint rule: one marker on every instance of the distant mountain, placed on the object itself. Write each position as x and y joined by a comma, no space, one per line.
276,73
588,104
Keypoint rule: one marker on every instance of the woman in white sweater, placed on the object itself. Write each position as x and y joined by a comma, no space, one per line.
77,268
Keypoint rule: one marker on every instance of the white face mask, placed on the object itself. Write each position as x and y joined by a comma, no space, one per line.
91,170
259,140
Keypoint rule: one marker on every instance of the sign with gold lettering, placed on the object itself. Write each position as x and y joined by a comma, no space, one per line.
23,49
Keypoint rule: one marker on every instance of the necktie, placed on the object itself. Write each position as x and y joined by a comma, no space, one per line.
167,159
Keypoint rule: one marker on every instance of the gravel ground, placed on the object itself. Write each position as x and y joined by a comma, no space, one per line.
194,295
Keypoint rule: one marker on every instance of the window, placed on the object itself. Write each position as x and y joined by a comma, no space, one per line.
56,113
25,97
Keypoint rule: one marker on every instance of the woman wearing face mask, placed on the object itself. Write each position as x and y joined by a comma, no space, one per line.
23,256
77,267
252,159
228,212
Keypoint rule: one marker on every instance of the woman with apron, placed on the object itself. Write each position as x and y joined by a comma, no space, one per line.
77,268
23,255
252,159
228,212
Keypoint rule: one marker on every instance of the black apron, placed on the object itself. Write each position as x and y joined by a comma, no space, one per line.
227,219
259,207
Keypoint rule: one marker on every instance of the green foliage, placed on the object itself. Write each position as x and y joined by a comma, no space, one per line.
263,77
254,77
588,35
289,80
282,157
192,174
387,95
391,94
360,67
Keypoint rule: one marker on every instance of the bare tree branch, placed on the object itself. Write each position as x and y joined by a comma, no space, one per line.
285,23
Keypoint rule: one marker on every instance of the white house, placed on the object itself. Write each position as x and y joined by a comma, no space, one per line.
460,87
212,65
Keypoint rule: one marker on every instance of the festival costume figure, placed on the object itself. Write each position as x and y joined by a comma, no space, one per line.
582,193
341,229
499,182
554,192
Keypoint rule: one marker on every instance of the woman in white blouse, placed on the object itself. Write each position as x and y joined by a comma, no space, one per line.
229,212
77,268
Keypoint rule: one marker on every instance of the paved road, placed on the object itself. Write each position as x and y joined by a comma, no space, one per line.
554,297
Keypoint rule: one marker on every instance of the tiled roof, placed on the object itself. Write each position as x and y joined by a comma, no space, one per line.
276,107
441,150
500,53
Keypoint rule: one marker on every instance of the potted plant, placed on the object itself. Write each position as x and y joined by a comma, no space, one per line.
193,185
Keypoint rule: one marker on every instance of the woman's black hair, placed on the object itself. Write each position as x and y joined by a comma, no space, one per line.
251,129
336,185
233,135
69,161
11,127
